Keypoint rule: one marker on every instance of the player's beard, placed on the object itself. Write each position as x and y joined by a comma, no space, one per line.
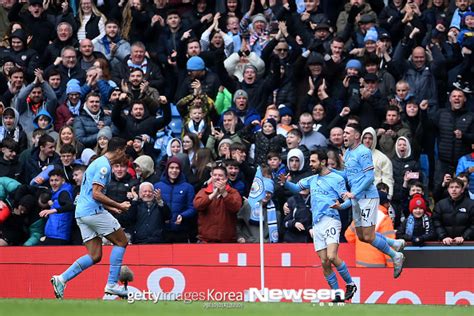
318,170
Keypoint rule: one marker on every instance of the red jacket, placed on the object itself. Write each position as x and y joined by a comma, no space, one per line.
217,218
62,116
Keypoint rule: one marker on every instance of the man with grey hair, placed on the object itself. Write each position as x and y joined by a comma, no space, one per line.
68,67
138,59
64,38
147,215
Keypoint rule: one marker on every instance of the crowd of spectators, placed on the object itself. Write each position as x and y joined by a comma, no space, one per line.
205,91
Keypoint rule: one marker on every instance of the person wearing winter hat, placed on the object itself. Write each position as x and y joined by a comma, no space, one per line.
418,227
240,94
286,117
266,140
198,75
66,112
195,63
223,150
245,113
370,40
371,35
103,137
259,17
354,64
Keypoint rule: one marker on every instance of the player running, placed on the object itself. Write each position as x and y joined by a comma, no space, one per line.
359,172
326,188
95,221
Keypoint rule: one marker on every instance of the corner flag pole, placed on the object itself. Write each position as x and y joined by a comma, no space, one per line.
262,259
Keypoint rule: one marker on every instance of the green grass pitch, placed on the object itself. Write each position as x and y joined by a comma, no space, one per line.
20,307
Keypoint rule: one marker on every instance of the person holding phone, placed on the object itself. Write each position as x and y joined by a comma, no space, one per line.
405,170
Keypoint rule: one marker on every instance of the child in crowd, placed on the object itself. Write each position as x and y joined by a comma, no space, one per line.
265,140
276,165
418,227
197,124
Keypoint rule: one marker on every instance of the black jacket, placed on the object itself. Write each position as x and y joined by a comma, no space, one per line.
454,218
153,74
69,73
130,127
117,190
33,165
149,222
41,30
92,26
446,122
11,169
299,212
423,230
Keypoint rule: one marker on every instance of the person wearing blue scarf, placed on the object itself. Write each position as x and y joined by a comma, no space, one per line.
114,48
418,227
260,201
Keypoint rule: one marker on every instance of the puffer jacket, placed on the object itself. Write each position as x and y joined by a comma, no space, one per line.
454,218
59,224
179,197
86,128
447,121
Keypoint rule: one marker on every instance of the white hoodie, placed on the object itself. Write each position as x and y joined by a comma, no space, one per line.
383,170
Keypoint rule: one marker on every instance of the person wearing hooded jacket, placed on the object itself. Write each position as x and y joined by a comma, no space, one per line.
403,163
11,128
383,169
145,169
32,98
20,52
44,121
178,194
42,30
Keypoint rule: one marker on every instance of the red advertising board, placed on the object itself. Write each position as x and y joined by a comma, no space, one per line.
226,272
